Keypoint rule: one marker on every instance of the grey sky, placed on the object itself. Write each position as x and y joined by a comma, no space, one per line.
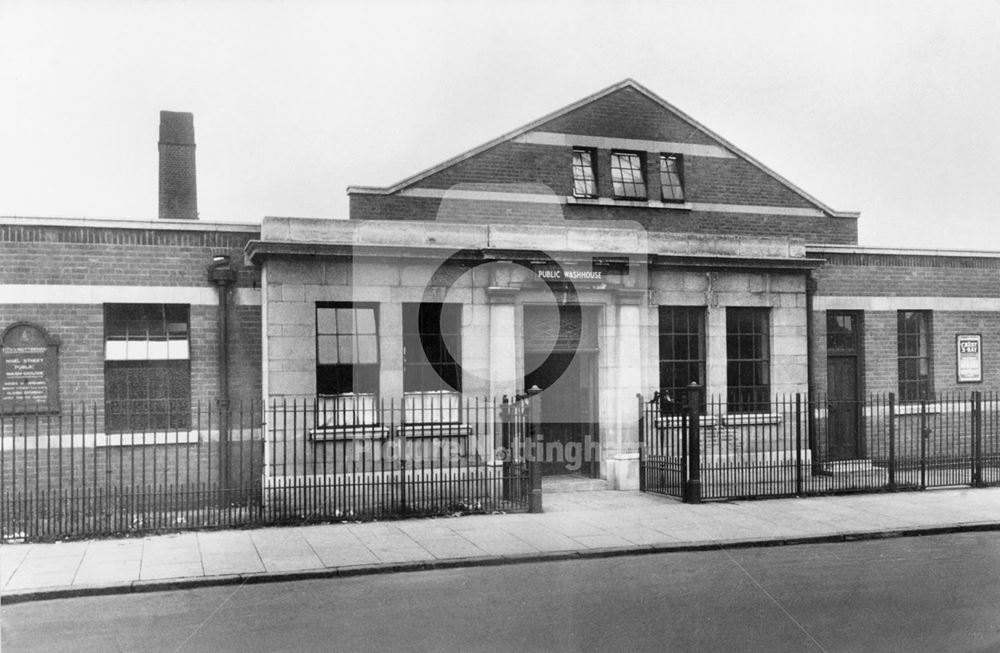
889,108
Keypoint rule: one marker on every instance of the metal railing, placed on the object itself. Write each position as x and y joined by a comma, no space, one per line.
800,447
64,475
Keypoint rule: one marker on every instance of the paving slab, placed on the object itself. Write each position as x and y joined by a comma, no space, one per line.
107,571
113,550
292,563
602,541
452,548
348,556
402,554
232,563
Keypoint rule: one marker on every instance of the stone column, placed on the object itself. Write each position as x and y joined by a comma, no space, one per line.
503,356
716,380
623,465
503,342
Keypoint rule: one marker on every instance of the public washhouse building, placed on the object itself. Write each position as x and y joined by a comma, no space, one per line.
607,252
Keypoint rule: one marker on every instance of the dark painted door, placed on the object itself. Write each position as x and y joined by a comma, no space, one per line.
842,376
843,343
568,410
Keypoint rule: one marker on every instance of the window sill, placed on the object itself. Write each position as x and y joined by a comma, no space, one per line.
751,419
676,421
436,430
340,433
914,408
101,440
641,204
334,433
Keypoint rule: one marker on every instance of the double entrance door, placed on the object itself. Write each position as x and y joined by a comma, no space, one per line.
565,369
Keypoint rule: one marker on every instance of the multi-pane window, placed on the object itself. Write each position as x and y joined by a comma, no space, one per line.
671,179
432,347
347,358
914,349
748,364
584,179
626,175
842,330
682,353
147,371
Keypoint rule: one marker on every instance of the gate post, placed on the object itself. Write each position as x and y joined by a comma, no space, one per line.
798,444
892,440
924,434
535,446
977,439
692,485
642,442
506,464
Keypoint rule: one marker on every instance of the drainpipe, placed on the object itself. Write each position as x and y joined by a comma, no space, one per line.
222,274
811,372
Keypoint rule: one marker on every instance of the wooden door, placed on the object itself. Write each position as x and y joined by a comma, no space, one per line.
844,395
843,405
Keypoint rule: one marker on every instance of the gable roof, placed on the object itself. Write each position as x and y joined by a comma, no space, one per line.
624,84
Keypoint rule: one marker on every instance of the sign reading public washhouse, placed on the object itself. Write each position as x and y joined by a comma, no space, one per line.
29,370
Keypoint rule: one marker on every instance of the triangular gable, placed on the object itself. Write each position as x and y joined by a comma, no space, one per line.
565,111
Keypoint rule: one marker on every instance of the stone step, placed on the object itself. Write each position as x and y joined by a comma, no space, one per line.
572,484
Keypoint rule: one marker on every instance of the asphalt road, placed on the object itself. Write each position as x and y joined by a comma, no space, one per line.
937,594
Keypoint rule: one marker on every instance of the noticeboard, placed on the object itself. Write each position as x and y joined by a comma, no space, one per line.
969,358
29,370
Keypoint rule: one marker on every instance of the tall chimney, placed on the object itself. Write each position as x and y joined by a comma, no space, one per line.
178,191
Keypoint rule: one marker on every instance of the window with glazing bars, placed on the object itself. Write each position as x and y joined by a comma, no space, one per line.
432,347
671,178
626,176
682,354
584,178
748,360
347,356
842,331
147,370
914,349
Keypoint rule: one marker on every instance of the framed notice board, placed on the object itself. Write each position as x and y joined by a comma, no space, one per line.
969,358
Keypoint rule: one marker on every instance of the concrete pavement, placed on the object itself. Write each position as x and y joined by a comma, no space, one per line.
575,524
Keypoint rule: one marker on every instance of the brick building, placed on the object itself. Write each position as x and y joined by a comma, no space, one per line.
614,248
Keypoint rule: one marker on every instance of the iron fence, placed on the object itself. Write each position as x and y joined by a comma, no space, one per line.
802,447
298,460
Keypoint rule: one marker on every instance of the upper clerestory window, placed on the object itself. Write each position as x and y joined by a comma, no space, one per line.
672,177
626,176
584,179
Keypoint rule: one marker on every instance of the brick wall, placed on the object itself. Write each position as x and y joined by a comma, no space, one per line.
627,113
841,231
873,275
40,254
86,256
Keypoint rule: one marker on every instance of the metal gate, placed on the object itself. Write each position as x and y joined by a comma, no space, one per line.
662,449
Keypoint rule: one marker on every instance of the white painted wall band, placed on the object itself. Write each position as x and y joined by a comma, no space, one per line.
72,294
540,198
857,303
609,143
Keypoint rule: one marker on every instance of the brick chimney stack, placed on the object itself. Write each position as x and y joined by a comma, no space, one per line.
178,190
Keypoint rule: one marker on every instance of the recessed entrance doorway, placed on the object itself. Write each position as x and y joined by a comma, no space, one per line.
565,369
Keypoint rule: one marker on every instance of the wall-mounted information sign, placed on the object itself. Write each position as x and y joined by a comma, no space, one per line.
970,358
29,370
